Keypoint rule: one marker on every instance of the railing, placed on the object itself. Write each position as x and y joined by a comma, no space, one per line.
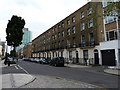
79,61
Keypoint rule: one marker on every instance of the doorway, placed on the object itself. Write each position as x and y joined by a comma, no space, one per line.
96,56
108,57
77,58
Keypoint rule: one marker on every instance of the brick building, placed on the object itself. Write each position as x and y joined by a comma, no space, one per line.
78,38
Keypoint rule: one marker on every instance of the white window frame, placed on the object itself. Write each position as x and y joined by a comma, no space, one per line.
90,23
82,25
89,11
82,15
69,31
68,22
73,19
74,29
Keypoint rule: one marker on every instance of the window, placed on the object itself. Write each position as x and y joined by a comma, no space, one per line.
105,3
112,17
73,29
53,30
68,31
90,23
83,40
63,34
82,25
111,35
59,35
62,43
73,19
59,44
82,15
59,26
91,38
70,54
68,22
85,54
53,37
74,43
68,43
89,10
63,24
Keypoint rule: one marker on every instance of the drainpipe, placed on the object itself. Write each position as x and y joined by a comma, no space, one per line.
104,27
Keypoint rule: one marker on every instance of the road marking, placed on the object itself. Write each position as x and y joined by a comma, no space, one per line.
16,67
23,69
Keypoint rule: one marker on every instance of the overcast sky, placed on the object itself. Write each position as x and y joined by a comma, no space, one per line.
39,15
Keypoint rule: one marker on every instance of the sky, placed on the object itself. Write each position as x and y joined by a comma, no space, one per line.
39,15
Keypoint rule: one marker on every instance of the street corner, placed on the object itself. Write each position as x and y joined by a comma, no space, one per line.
16,80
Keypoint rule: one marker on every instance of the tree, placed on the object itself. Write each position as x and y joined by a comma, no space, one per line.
113,6
14,31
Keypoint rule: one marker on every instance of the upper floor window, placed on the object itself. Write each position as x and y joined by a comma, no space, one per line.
89,10
68,22
73,29
68,31
63,34
82,15
53,37
59,26
91,38
53,30
82,25
73,19
59,35
90,23
112,35
104,4
83,43
62,24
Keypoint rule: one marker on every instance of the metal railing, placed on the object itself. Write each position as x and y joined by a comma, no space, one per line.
79,61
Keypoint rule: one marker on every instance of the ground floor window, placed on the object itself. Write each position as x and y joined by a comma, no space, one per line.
85,54
70,54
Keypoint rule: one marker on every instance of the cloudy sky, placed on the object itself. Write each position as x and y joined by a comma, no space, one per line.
39,15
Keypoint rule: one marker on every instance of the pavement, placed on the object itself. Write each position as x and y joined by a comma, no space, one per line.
110,69
14,80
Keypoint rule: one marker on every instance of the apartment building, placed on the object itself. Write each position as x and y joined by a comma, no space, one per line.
81,37
110,48
27,50
25,40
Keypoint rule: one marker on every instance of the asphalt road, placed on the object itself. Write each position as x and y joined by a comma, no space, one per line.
92,75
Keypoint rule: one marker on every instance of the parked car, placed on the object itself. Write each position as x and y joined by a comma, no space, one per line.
37,60
58,61
11,60
31,59
26,59
44,61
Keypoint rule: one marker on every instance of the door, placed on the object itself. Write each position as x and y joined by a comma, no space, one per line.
96,56
77,58
108,57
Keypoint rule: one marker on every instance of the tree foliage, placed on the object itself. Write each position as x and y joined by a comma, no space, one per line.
14,31
113,6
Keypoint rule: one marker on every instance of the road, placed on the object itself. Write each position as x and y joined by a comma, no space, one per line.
88,75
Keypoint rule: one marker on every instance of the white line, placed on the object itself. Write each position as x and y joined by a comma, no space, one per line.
16,67
23,69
